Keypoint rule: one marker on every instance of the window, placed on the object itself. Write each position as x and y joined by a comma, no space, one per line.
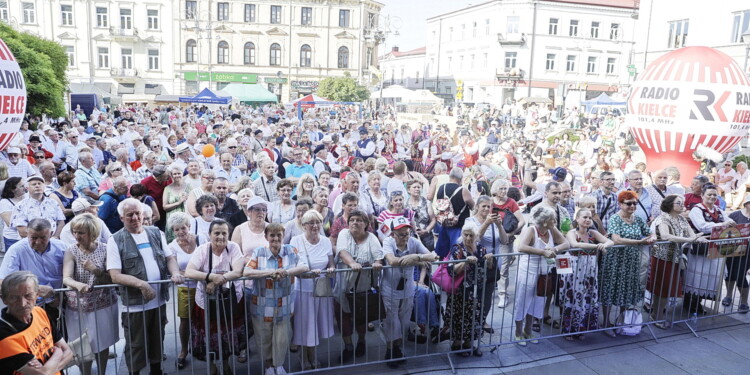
275,54
461,62
70,51
222,11
305,56
368,57
67,15
4,10
484,60
450,62
102,17
570,63
553,26
222,53
153,19
343,58
678,31
249,12
487,27
417,77
372,20
153,59
591,66
191,51
463,31
450,33
474,31
471,62
550,64
127,58
306,18
614,31
513,25
249,53
595,30
611,63
740,25
191,9
102,54
344,15
126,19
29,13
275,13
510,60
573,31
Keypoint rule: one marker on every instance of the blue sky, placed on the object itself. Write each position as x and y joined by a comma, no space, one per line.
413,15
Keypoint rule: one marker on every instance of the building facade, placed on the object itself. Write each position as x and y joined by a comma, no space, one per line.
567,51
145,48
404,68
666,25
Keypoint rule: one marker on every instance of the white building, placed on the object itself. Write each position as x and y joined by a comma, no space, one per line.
123,47
559,49
181,46
403,68
664,25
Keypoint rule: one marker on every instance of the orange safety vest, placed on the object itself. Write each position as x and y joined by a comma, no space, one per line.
36,339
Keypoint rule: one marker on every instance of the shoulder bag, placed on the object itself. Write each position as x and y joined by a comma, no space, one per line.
321,285
222,304
365,306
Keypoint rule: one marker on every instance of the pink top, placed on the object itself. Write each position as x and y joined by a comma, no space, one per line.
220,264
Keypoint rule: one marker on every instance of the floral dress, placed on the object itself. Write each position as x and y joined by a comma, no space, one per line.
621,267
463,312
173,196
422,220
579,292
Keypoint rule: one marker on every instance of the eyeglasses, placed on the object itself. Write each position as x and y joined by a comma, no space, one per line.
313,223
259,209
39,157
285,190
232,147
296,154
117,170
209,178
397,193
629,204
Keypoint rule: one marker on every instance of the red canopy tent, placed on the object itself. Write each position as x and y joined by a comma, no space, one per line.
310,98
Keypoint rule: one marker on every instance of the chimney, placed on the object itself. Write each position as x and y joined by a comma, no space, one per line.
394,49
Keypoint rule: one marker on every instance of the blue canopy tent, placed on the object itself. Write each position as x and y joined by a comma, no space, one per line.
206,97
602,99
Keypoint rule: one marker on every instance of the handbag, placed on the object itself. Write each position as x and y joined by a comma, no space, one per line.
545,284
365,306
449,284
510,221
82,351
321,285
493,274
222,304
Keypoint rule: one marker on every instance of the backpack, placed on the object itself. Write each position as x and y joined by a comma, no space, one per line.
629,322
444,209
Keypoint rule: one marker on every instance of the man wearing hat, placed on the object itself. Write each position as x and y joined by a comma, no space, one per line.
402,252
35,145
365,145
17,166
37,206
182,155
320,163
83,206
256,142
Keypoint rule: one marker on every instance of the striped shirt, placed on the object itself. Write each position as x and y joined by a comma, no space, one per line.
606,205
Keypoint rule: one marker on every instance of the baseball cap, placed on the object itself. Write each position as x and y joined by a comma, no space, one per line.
558,174
82,204
400,222
258,132
14,150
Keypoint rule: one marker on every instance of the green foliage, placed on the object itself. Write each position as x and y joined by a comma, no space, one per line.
342,89
43,64
740,158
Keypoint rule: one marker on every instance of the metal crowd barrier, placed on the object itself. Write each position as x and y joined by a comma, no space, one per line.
577,301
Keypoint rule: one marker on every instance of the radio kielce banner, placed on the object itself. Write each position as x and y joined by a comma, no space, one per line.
12,96
690,97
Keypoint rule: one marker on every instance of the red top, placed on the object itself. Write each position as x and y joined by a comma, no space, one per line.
691,200
156,190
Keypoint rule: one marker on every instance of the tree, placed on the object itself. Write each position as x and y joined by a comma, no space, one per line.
43,65
342,89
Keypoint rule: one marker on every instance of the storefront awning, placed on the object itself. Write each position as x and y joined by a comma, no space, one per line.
250,93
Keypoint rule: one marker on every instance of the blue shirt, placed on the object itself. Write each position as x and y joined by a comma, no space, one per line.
47,266
294,170
108,210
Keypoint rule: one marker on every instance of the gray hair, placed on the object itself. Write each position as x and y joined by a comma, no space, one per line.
482,199
498,184
441,166
456,174
17,278
551,185
311,215
470,227
128,202
39,224
542,214
208,173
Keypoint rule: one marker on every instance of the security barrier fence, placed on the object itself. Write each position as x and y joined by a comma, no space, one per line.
399,313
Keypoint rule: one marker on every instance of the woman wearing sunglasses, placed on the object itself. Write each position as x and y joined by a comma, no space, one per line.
620,272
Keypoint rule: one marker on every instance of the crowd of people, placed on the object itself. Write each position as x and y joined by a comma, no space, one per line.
280,227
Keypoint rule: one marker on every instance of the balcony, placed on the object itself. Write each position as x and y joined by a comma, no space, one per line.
124,75
124,34
513,39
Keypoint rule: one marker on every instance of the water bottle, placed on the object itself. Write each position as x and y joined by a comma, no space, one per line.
565,226
694,321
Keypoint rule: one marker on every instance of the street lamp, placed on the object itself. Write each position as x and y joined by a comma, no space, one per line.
196,17
390,25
